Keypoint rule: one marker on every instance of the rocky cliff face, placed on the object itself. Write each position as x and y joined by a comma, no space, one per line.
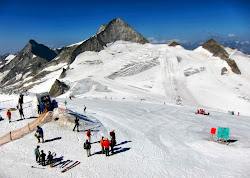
219,51
28,62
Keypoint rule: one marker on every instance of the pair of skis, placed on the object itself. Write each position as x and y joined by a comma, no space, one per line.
71,166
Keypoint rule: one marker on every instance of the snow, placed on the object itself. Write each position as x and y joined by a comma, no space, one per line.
161,73
148,94
53,68
9,58
153,140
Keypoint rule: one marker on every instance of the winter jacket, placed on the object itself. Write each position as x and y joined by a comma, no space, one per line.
88,133
43,155
77,121
87,145
40,131
8,114
112,135
37,152
106,144
101,142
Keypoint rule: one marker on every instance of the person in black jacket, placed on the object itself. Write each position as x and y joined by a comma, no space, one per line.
76,124
49,158
43,156
87,146
113,140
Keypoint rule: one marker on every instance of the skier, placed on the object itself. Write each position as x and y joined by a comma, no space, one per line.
43,156
101,143
88,135
106,145
49,158
37,153
113,141
9,115
21,112
87,146
76,124
39,134
84,109
42,107
20,100
39,109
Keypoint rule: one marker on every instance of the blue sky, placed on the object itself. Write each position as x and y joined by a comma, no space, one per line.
61,23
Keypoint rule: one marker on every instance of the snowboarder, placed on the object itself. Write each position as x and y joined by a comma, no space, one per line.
84,109
101,143
37,153
9,115
87,146
39,134
43,156
21,112
88,135
76,124
113,141
106,145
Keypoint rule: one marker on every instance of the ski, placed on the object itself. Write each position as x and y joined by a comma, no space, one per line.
61,162
37,167
64,165
71,166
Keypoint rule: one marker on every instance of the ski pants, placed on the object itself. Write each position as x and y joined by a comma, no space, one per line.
88,152
107,151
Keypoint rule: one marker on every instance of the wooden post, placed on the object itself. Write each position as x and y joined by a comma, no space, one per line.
29,126
10,136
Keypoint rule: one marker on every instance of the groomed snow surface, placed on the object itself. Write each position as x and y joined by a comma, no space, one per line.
153,140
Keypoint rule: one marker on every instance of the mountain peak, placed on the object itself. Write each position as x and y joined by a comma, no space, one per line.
117,29
31,41
39,50
219,51
214,47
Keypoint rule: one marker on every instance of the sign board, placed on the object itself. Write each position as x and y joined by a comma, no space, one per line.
213,130
223,132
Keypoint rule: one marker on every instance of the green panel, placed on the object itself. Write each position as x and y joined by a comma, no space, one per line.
223,132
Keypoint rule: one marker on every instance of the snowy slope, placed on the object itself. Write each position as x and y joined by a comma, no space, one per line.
157,73
153,140
160,73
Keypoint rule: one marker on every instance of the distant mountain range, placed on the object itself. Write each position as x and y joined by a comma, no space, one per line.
243,46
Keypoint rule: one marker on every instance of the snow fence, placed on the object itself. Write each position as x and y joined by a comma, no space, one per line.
44,117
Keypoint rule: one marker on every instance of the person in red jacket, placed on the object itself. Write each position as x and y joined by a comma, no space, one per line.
9,115
106,145
88,135
102,145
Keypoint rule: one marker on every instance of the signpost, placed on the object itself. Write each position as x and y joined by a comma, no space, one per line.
213,131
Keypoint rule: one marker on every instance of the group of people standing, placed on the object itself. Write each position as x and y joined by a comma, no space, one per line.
105,144
41,157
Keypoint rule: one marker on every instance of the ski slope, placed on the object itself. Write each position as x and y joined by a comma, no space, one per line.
153,140
154,72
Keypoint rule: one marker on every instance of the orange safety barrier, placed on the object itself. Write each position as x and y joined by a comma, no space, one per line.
24,130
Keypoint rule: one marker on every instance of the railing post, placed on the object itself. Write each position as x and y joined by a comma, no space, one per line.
10,136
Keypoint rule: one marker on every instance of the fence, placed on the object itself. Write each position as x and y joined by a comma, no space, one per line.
24,130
